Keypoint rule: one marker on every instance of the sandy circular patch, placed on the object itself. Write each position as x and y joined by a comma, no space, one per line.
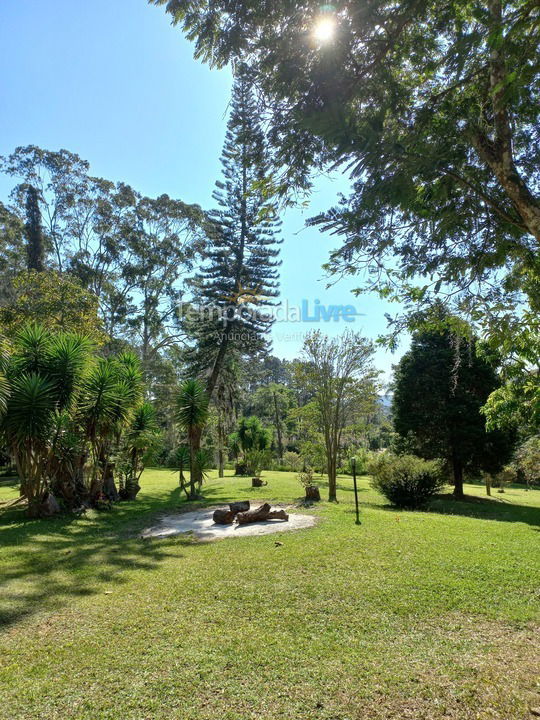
201,524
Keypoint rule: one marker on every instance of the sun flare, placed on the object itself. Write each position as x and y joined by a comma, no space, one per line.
324,29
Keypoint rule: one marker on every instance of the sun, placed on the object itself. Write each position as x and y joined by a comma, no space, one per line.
324,29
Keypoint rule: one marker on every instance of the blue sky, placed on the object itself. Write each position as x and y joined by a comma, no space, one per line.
112,81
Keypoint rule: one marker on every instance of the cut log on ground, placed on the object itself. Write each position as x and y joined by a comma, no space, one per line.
263,512
312,493
241,506
257,482
223,517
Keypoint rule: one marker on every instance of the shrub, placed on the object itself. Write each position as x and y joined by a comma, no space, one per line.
406,480
305,478
256,461
363,458
291,461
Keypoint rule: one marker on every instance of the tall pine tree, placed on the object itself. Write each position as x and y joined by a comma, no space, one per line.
238,282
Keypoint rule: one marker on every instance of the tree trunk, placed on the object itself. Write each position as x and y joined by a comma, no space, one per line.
109,486
498,153
278,428
195,476
221,463
458,478
221,443
332,480
34,232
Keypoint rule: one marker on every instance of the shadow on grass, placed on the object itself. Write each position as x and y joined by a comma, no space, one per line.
53,559
488,508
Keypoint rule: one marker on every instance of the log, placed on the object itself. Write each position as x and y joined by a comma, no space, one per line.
312,493
278,515
240,506
257,482
263,512
223,517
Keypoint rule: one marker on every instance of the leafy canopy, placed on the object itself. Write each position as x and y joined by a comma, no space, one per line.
434,109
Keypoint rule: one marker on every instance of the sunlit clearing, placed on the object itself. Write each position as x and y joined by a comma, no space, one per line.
324,29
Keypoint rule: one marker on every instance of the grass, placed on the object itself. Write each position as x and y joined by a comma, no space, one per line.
410,615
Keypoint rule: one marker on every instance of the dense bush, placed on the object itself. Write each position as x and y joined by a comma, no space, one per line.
406,480
290,462
363,459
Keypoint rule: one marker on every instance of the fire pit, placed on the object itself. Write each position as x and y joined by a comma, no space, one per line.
201,523
240,511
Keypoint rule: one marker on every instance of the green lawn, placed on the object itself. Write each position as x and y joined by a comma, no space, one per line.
410,615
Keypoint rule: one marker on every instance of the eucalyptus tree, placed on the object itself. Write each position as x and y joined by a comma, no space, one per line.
58,179
132,252
161,249
272,403
12,250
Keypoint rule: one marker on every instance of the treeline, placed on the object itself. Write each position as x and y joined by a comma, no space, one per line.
98,280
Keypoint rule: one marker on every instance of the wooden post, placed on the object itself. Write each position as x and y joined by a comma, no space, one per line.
353,464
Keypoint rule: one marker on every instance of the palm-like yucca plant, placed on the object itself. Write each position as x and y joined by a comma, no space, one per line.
191,417
109,393
4,383
61,410
30,350
44,374
180,463
142,434
27,426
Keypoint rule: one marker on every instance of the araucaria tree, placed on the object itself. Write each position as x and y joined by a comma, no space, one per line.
440,386
236,285
340,375
234,290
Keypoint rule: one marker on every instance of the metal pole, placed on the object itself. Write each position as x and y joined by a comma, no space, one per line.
353,463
